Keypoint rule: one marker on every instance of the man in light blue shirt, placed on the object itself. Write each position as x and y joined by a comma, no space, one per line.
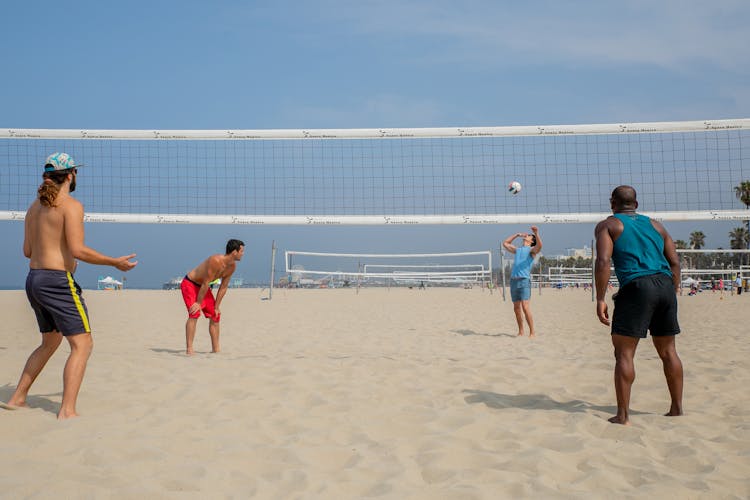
520,277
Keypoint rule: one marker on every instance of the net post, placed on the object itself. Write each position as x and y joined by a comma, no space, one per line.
492,292
539,282
359,274
273,268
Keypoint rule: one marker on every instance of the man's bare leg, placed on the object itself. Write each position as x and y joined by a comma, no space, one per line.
190,335
34,365
624,375
213,331
518,310
80,350
526,306
665,346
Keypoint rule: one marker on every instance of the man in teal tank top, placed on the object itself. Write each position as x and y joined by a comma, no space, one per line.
648,270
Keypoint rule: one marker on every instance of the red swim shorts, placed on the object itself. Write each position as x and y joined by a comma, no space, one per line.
190,294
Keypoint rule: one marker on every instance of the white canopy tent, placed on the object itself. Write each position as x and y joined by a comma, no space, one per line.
108,283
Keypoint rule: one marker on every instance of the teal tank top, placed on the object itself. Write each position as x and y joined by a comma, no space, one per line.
639,251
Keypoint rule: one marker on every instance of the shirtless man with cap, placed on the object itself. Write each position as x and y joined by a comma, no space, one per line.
53,241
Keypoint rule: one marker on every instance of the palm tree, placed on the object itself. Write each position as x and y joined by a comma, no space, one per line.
742,192
697,240
738,238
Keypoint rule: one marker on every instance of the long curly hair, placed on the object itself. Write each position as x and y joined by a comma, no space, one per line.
50,187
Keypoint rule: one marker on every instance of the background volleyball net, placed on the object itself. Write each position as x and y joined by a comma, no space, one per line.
349,269
682,171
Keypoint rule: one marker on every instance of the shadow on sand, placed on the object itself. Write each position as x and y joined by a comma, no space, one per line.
535,402
40,401
179,352
466,332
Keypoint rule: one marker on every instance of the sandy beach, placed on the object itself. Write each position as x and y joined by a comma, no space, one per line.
378,394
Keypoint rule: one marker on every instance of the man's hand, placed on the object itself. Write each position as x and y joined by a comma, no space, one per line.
123,263
194,308
601,312
534,229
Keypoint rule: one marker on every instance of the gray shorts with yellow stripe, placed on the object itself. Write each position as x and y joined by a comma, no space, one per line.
57,302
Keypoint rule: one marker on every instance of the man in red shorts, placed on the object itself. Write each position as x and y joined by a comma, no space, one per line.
196,291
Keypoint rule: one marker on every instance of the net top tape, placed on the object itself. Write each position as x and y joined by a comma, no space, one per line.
382,133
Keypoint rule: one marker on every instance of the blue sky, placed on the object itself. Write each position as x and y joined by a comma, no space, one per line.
326,64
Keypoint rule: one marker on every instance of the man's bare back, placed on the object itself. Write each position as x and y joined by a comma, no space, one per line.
215,267
54,242
54,238
45,244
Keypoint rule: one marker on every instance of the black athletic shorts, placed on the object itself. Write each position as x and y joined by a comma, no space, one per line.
57,302
646,303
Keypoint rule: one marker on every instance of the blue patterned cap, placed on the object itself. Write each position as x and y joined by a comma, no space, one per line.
59,161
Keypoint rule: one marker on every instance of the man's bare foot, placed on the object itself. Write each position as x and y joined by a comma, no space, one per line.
189,352
66,415
532,335
520,334
673,413
10,406
619,420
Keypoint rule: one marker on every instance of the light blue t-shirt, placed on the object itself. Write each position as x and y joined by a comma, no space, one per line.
522,263
639,251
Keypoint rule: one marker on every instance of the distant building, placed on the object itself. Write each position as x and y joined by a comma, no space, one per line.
584,252
579,252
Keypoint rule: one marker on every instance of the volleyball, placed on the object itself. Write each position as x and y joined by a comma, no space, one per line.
514,187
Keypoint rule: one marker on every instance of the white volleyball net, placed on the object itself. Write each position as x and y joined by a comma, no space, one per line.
703,269
564,276
322,269
714,269
681,170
